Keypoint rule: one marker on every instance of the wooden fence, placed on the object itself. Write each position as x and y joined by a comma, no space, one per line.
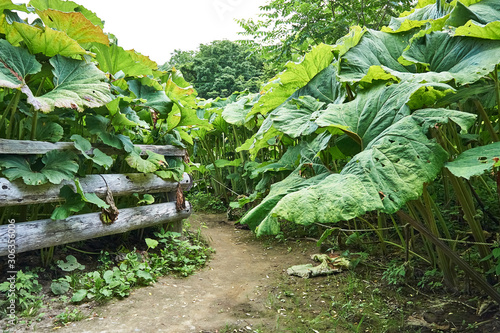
39,234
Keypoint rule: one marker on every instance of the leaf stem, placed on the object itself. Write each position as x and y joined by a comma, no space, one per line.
17,98
480,281
487,122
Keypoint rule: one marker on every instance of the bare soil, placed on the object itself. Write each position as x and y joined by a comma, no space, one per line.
230,291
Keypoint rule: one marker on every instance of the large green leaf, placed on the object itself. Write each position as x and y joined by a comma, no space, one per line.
294,182
151,97
379,56
388,173
67,6
294,77
73,203
84,145
480,20
447,58
90,197
430,117
434,13
173,171
236,112
482,12
295,117
475,161
58,166
9,5
373,110
15,167
77,85
46,40
375,48
15,64
152,163
114,58
324,87
478,30
75,25
289,161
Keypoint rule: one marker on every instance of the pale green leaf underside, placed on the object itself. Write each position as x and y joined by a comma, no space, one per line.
475,161
294,77
383,177
78,85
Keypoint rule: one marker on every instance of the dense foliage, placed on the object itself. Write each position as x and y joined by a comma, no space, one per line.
63,79
392,121
220,68
287,29
384,126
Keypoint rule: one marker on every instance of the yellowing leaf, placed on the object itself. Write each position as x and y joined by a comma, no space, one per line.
75,25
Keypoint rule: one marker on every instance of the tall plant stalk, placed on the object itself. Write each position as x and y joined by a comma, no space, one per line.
464,197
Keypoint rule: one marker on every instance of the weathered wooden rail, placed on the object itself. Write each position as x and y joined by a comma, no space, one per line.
39,234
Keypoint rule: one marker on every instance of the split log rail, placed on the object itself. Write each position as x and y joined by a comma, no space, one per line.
40,234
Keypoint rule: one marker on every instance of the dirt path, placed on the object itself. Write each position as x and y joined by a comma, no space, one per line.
232,290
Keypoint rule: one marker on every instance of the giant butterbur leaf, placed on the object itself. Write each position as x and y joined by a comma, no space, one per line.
475,161
482,12
324,87
67,6
8,4
373,110
434,13
375,48
478,30
58,166
48,41
380,56
114,58
75,25
151,97
73,203
480,20
236,112
389,172
77,85
295,117
152,163
447,58
15,64
294,77
84,145
294,182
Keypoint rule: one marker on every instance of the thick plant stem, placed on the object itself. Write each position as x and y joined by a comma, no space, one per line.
478,279
35,114
465,199
17,97
428,247
486,120
497,91
6,112
447,268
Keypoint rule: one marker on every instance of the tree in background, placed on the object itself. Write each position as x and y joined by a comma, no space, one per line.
220,68
287,29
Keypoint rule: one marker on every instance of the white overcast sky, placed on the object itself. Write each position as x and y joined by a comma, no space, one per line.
156,27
